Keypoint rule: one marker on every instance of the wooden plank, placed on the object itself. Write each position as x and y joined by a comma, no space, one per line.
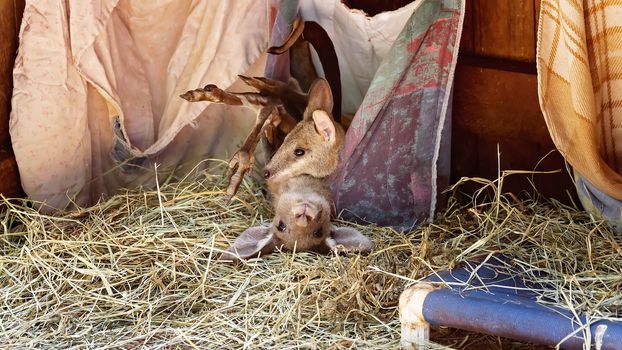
475,156
7,26
9,176
498,104
466,41
493,107
504,28
19,11
10,19
516,154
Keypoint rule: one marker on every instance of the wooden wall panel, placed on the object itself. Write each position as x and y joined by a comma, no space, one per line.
503,28
494,106
498,103
466,41
10,20
9,176
10,14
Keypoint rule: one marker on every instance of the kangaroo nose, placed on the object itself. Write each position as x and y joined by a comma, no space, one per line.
266,174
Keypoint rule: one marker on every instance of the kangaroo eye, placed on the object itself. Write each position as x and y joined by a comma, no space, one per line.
299,152
281,226
318,233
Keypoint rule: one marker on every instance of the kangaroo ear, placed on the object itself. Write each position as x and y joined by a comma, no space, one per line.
250,243
320,97
324,125
351,239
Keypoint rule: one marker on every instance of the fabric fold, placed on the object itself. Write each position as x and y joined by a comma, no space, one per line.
397,73
99,80
580,85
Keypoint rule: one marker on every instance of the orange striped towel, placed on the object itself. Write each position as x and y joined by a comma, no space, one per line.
579,61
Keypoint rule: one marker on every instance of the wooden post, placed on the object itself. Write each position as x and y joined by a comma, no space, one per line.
10,20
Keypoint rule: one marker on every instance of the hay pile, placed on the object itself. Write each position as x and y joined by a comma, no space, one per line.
138,271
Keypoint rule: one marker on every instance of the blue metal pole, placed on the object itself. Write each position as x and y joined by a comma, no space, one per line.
489,298
514,317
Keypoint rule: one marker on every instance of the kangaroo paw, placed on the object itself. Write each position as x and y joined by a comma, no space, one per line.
211,93
240,164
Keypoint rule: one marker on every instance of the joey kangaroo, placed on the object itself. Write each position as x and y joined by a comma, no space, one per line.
296,179
296,174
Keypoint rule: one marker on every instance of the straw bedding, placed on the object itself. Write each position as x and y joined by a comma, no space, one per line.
138,271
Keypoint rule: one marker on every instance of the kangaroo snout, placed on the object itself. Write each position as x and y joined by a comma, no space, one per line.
307,209
304,213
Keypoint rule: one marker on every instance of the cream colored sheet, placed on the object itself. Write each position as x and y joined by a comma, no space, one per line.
361,42
81,63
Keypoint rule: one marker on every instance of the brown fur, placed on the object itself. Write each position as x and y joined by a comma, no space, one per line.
318,135
303,209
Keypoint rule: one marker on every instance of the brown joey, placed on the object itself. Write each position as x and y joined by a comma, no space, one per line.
313,145
301,223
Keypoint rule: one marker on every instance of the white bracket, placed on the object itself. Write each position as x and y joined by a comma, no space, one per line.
415,329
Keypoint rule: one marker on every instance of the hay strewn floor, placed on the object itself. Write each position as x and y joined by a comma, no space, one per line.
138,271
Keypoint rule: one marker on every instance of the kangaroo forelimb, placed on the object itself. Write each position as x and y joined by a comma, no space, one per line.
212,93
242,161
